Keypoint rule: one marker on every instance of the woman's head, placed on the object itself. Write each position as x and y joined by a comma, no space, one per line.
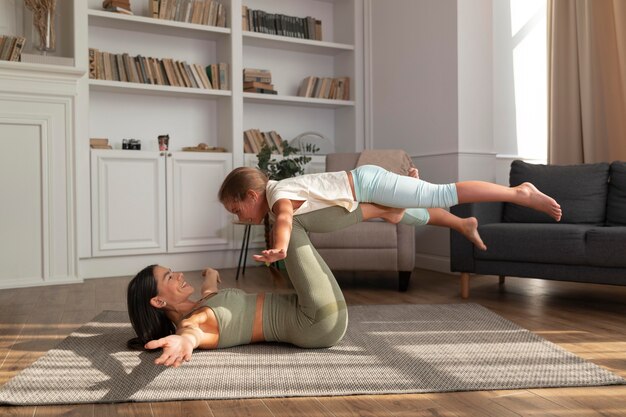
243,193
146,307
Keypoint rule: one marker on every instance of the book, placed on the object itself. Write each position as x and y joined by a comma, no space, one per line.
247,147
99,141
121,10
256,84
116,3
277,141
260,90
249,135
17,48
223,74
203,76
93,69
7,48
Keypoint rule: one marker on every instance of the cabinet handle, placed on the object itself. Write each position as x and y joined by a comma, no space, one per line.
162,154
169,154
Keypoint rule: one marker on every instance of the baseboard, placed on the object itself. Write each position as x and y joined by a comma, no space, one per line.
129,265
432,262
37,282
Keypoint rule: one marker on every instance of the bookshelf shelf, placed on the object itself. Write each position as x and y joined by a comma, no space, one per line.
155,90
45,69
296,101
294,44
144,24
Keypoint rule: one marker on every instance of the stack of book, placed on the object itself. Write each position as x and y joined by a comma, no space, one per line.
11,47
147,70
258,81
201,12
280,24
325,87
99,143
254,140
117,6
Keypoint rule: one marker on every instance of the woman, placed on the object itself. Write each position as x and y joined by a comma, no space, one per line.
315,316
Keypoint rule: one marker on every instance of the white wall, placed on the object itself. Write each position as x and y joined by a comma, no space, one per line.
441,81
413,68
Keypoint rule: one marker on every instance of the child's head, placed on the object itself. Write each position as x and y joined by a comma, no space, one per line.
243,193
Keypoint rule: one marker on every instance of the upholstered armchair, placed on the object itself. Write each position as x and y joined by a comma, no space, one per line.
368,246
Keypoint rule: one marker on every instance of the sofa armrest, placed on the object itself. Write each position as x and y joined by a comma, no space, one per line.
461,249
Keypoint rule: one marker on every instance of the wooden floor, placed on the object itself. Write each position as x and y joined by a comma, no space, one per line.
589,320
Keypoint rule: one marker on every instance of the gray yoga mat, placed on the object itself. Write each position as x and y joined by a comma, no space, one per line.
387,349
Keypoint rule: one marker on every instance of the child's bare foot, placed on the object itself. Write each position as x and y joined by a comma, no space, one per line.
413,172
535,199
469,229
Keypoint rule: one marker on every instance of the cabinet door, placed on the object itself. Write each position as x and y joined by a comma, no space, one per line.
197,221
128,202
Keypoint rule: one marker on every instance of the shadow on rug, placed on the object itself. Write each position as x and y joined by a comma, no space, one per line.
387,349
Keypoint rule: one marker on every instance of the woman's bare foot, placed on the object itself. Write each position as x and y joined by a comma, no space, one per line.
531,197
469,229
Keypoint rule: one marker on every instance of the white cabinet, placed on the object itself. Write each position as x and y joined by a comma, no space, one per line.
196,220
155,202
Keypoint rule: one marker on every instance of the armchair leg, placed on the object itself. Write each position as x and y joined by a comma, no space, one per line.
464,285
404,277
501,280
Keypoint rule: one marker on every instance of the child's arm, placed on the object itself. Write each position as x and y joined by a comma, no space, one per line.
283,209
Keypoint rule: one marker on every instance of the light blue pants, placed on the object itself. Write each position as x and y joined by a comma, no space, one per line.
373,184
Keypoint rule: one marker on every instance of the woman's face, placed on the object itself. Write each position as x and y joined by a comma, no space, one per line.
171,286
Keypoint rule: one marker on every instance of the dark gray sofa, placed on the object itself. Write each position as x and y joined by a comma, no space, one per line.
587,245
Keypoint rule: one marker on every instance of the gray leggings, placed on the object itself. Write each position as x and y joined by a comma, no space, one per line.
316,315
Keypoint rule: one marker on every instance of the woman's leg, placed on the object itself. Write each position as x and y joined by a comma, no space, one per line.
318,316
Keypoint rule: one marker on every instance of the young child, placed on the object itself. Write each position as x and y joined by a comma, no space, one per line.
247,193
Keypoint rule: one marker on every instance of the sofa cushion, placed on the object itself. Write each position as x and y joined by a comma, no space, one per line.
534,242
370,234
616,202
606,246
581,190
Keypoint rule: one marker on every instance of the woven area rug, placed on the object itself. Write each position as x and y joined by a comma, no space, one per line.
387,349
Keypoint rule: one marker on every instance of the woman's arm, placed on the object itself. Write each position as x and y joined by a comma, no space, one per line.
211,279
283,209
177,348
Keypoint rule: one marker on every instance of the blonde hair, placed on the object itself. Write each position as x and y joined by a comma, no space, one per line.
239,181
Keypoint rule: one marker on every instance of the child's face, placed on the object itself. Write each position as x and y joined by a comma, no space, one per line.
250,210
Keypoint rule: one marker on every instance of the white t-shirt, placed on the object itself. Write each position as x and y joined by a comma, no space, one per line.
318,191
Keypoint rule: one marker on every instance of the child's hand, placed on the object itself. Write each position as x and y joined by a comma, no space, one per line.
270,255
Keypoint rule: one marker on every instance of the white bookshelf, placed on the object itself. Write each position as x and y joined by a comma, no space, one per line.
118,110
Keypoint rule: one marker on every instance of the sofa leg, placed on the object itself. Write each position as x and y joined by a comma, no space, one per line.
464,285
501,280
404,277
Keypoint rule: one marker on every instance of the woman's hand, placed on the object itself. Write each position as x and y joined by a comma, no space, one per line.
176,349
210,273
270,255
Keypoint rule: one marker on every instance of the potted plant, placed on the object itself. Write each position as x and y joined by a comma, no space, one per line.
290,165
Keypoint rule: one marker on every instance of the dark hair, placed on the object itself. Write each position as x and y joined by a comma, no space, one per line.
148,322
